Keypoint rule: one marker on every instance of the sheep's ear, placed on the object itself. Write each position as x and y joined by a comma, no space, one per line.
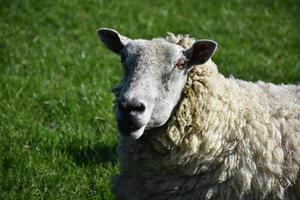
112,39
201,52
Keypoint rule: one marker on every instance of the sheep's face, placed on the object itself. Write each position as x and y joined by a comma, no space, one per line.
155,72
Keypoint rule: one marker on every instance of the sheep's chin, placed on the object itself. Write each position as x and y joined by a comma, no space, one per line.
136,134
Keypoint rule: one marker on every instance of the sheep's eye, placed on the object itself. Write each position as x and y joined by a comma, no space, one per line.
181,63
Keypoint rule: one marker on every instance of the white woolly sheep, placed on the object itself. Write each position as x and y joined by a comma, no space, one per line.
222,138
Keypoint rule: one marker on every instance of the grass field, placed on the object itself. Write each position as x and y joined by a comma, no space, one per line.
57,128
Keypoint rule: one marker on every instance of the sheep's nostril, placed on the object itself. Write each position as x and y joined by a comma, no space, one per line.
140,107
129,107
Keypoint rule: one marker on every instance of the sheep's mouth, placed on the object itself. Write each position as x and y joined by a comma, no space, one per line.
131,130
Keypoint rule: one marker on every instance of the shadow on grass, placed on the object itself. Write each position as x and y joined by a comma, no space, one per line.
93,154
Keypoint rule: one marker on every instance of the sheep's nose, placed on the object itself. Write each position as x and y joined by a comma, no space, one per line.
132,106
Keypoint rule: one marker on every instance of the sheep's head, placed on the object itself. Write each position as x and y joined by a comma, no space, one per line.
155,72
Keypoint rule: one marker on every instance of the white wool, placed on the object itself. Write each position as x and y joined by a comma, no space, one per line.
227,139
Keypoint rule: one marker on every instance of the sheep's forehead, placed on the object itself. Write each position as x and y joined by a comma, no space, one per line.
156,49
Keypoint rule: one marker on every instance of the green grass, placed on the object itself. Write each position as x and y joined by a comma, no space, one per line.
57,128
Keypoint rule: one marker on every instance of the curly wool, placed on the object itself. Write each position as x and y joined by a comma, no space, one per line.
227,139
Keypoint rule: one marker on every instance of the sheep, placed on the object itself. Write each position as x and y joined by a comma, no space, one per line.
222,138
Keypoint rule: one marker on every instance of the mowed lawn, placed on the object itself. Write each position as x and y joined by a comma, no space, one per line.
57,129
